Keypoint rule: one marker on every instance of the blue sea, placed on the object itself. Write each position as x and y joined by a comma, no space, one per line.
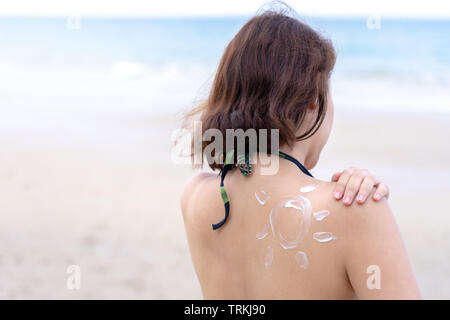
74,65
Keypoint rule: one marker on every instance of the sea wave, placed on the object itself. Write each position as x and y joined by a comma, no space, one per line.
131,86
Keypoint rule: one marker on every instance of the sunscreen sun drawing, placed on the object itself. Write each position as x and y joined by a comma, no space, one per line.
301,208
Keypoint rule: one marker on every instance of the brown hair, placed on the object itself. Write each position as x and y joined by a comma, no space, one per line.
273,69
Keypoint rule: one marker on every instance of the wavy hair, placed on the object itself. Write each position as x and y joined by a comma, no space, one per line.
273,70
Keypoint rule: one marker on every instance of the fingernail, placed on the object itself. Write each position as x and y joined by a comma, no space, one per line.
347,199
377,196
360,198
337,194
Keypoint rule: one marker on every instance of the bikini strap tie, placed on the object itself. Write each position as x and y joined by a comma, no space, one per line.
245,167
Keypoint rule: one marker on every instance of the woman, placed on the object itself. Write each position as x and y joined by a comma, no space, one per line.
284,235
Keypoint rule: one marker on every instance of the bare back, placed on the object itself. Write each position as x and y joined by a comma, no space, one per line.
290,240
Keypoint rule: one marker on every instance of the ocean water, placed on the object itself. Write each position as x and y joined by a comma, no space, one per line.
53,69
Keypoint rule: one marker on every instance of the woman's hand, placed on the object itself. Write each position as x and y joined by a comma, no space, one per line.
354,182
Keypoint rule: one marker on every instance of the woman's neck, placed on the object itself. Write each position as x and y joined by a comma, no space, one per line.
299,151
273,164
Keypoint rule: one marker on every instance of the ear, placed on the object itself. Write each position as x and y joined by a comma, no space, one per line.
312,107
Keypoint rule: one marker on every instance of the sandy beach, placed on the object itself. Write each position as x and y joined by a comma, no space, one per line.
111,205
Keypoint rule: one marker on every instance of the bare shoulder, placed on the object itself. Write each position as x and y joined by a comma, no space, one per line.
192,188
372,216
370,245
355,214
357,223
370,219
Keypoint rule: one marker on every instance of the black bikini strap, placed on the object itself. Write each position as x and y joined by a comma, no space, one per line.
227,165
223,193
297,163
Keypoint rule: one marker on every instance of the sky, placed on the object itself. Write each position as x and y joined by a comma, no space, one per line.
126,8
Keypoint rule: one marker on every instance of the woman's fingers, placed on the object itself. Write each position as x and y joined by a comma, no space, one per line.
342,183
353,185
336,176
358,183
365,189
382,191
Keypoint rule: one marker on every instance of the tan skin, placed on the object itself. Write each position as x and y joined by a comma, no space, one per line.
230,261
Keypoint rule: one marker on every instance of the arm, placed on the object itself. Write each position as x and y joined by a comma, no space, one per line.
376,256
